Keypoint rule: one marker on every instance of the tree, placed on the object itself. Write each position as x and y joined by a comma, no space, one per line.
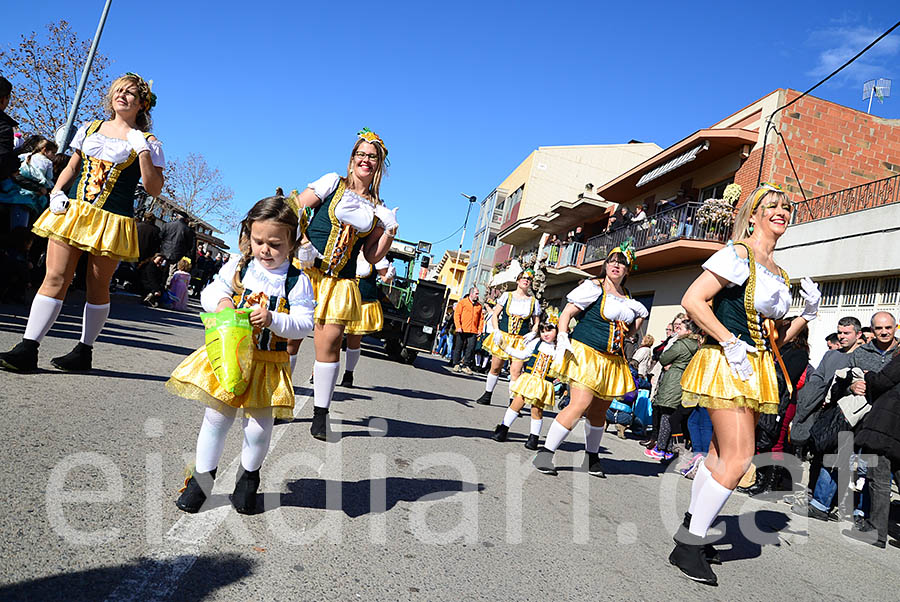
45,72
198,188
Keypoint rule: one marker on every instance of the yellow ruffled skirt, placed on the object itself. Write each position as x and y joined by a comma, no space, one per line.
509,340
337,299
709,383
91,229
270,383
372,319
605,374
536,391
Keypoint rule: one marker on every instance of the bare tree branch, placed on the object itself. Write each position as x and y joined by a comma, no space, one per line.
195,185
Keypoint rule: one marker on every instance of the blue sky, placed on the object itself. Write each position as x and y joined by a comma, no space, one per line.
272,93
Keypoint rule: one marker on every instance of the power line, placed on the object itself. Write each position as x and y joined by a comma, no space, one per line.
448,236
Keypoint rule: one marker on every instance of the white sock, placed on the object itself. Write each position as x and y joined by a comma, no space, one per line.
293,363
325,375
44,311
592,436
351,358
211,440
699,479
93,321
510,416
708,505
556,435
536,424
257,434
491,382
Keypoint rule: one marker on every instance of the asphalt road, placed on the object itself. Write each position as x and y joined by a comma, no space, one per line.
414,502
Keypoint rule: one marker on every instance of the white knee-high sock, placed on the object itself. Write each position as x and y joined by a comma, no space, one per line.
491,382
699,479
44,311
536,425
211,440
325,375
257,435
351,358
293,363
93,321
556,435
708,505
510,416
592,436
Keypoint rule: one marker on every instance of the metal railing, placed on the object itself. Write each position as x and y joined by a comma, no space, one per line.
866,196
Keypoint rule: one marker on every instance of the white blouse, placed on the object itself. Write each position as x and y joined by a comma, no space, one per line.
352,209
364,268
615,308
541,346
772,296
520,306
294,325
113,150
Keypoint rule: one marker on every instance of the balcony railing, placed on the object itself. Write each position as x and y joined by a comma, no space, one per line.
869,195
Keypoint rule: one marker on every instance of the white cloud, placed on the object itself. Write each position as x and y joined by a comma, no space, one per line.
835,45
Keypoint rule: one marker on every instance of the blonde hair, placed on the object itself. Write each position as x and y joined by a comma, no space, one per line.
143,116
274,208
751,206
647,340
375,186
184,265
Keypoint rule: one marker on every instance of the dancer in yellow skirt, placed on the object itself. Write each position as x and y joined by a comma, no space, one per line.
96,217
592,361
514,325
372,316
281,298
735,379
535,386
349,218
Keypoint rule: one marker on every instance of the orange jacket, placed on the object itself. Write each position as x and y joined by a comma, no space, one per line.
467,316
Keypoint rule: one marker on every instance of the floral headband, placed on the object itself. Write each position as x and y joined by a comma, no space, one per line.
373,138
526,274
551,315
150,101
758,194
626,249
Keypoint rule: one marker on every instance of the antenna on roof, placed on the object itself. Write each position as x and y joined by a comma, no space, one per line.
880,90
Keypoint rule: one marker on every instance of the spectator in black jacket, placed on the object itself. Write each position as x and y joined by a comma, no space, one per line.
149,237
178,240
9,159
152,273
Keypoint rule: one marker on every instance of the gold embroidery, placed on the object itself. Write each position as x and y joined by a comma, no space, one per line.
99,177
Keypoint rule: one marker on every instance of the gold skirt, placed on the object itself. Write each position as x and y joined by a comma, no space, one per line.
709,383
509,340
337,299
91,229
372,319
270,383
536,391
605,374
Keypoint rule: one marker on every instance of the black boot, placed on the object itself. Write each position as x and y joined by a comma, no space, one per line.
245,487
500,433
690,558
347,381
485,398
712,554
543,461
319,427
196,490
594,465
532,442
21,358
77,360
765,483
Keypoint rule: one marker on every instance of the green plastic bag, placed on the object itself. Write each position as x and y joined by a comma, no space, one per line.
229,346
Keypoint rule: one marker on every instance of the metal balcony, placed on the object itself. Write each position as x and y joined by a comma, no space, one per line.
866,196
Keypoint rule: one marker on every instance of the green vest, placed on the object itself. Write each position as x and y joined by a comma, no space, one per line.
267,340
513,324
338,243
596,331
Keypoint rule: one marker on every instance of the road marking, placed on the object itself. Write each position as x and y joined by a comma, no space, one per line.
158,574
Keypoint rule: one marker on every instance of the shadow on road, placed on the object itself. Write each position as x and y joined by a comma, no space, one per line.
213,571
404,429
424,395
768,522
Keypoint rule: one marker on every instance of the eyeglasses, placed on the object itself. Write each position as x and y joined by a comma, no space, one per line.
361,155
617,261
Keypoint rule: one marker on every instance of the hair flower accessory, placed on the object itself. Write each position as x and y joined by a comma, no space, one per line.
758,194
626,249
373,138
551,315
149,98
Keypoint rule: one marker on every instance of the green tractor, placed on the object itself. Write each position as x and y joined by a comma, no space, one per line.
413,309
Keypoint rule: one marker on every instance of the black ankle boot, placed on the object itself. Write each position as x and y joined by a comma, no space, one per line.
532,442
319,428
500,433
690,558
21,358
485,398
543,461
765,482
347,381
593,465
196,489
77,360
711,553
245,487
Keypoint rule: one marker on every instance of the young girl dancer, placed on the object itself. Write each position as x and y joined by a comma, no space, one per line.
735,379
514,323
372,319
281,297
593,363
534,387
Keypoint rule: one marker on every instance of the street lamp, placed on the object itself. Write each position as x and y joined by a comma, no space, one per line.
472,200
